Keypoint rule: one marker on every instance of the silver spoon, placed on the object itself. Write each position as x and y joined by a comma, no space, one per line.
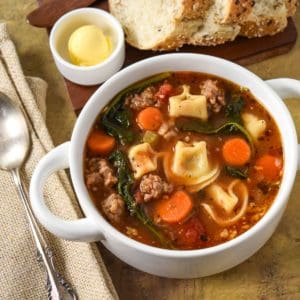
14,147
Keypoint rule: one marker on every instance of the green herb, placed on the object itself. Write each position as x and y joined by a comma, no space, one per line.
204,128
116,119
123,135
124,117
234,108
125,181
237,173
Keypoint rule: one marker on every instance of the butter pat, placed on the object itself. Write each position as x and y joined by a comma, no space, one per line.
89,46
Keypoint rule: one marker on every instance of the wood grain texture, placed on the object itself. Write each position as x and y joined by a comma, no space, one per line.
48,13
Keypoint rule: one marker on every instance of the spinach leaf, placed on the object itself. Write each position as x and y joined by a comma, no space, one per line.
125,182
125,179
116,119
124,117
234,108
232,128
204,128
124,135
237,173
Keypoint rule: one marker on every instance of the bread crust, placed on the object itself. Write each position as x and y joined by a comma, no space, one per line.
193,9
214,39
267,26
212,32
179,37
291,6
183,25
238,18
259,25
171,43
237,10
210,41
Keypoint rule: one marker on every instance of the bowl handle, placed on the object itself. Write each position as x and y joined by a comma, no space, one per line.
286,88
83,229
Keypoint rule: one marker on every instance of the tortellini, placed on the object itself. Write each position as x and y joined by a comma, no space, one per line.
190,161
227,201
189,166
254,126
143,159
188,105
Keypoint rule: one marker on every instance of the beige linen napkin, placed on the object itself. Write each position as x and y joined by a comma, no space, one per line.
80,263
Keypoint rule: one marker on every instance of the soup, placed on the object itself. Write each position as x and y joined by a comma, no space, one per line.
183,160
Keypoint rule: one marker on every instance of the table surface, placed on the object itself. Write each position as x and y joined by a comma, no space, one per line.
272,273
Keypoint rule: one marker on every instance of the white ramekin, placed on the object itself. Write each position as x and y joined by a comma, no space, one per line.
168,263
60,35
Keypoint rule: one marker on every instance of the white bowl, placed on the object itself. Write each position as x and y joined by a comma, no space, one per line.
162,262
60,35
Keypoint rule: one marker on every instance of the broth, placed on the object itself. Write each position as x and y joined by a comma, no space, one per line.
218,193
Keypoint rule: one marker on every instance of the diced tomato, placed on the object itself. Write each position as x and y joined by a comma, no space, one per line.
191,233
164,92
138,197
269,167
166,89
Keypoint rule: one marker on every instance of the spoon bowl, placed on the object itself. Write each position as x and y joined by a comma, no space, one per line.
14,135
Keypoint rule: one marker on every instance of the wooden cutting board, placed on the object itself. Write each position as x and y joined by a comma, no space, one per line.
242,51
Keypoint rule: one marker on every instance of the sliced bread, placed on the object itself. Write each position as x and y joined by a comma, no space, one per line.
267,17
182,22
169,24
192,9
291,6
233,11
212,32
159,24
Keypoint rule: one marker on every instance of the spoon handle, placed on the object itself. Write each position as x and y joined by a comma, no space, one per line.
57,287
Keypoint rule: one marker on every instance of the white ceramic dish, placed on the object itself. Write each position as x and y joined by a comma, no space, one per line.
60,35
168,263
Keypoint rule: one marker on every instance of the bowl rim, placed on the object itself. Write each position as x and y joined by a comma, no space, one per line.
114,23
276,208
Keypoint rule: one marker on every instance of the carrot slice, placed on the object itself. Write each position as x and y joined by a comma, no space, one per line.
100,143
150,118
236,152
269,167
175,208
